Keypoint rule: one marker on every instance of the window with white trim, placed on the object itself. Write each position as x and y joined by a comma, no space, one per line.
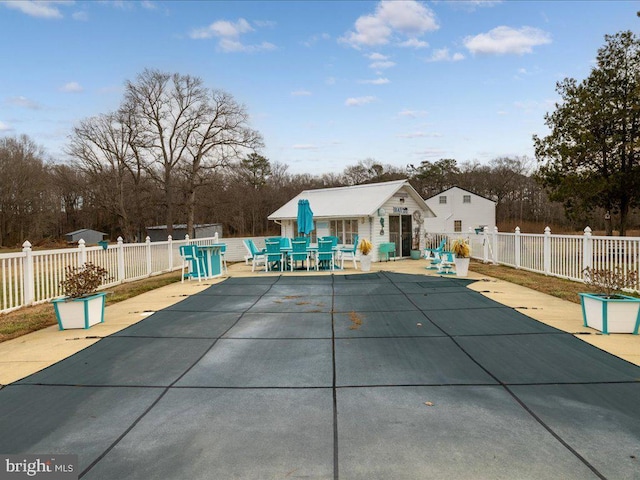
457,225
443,199
345,230
466,199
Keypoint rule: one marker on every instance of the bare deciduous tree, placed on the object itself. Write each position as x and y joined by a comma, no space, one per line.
186,129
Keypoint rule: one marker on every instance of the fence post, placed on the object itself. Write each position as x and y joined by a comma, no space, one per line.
28,278
82,253
485,245
186,238
148,243
494,246
170,252
121,273
517,248
546,251
587,250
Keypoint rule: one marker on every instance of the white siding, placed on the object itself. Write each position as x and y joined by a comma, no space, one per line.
479,212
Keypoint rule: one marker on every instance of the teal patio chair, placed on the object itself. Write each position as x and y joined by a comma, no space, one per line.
256,255
299,253
349,253
434,255
223,251
193,262
333,240
447,263
273,255
325,255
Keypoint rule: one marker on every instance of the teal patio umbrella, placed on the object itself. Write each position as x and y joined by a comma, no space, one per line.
305,217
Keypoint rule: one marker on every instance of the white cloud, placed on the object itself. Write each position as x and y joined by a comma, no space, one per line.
222,28
443,55
4,127
148,4
358,101
300,93
506,40
382,65
432,152
376,56
40,9
23,102
391,19
312,40
376,81
330,81
412,113
413,43
229,34
231,45
71,87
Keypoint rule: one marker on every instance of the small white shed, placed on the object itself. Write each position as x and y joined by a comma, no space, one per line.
381,212
458,209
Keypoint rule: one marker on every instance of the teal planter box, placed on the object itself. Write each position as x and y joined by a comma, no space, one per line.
80,312
619,314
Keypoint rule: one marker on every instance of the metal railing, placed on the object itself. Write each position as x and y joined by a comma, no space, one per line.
564,256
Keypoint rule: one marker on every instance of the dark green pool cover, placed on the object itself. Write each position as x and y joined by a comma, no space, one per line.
380,376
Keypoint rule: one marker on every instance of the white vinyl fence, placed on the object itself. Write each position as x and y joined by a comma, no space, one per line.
29,277
564,256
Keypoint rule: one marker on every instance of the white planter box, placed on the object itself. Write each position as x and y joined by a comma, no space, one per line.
611,315
80,312
365,262
462,266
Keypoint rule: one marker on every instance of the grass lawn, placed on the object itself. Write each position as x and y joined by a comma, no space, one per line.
557,287
30,319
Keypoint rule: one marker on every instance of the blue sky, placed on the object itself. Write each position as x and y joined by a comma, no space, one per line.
326,83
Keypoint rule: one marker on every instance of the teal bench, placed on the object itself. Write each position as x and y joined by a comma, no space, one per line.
385,250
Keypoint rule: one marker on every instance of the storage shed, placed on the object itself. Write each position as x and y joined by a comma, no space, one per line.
90,237
160,233
381,212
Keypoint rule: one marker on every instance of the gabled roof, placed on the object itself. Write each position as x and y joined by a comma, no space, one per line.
347,202
459,188
82,230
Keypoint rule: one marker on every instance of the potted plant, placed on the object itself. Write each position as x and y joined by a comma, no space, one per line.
462,251
365,247
81,306
608,310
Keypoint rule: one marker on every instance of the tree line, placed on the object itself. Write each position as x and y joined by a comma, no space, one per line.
42,200
176,151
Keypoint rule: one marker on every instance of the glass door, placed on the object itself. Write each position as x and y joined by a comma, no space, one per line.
394,231
400,234
405,231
